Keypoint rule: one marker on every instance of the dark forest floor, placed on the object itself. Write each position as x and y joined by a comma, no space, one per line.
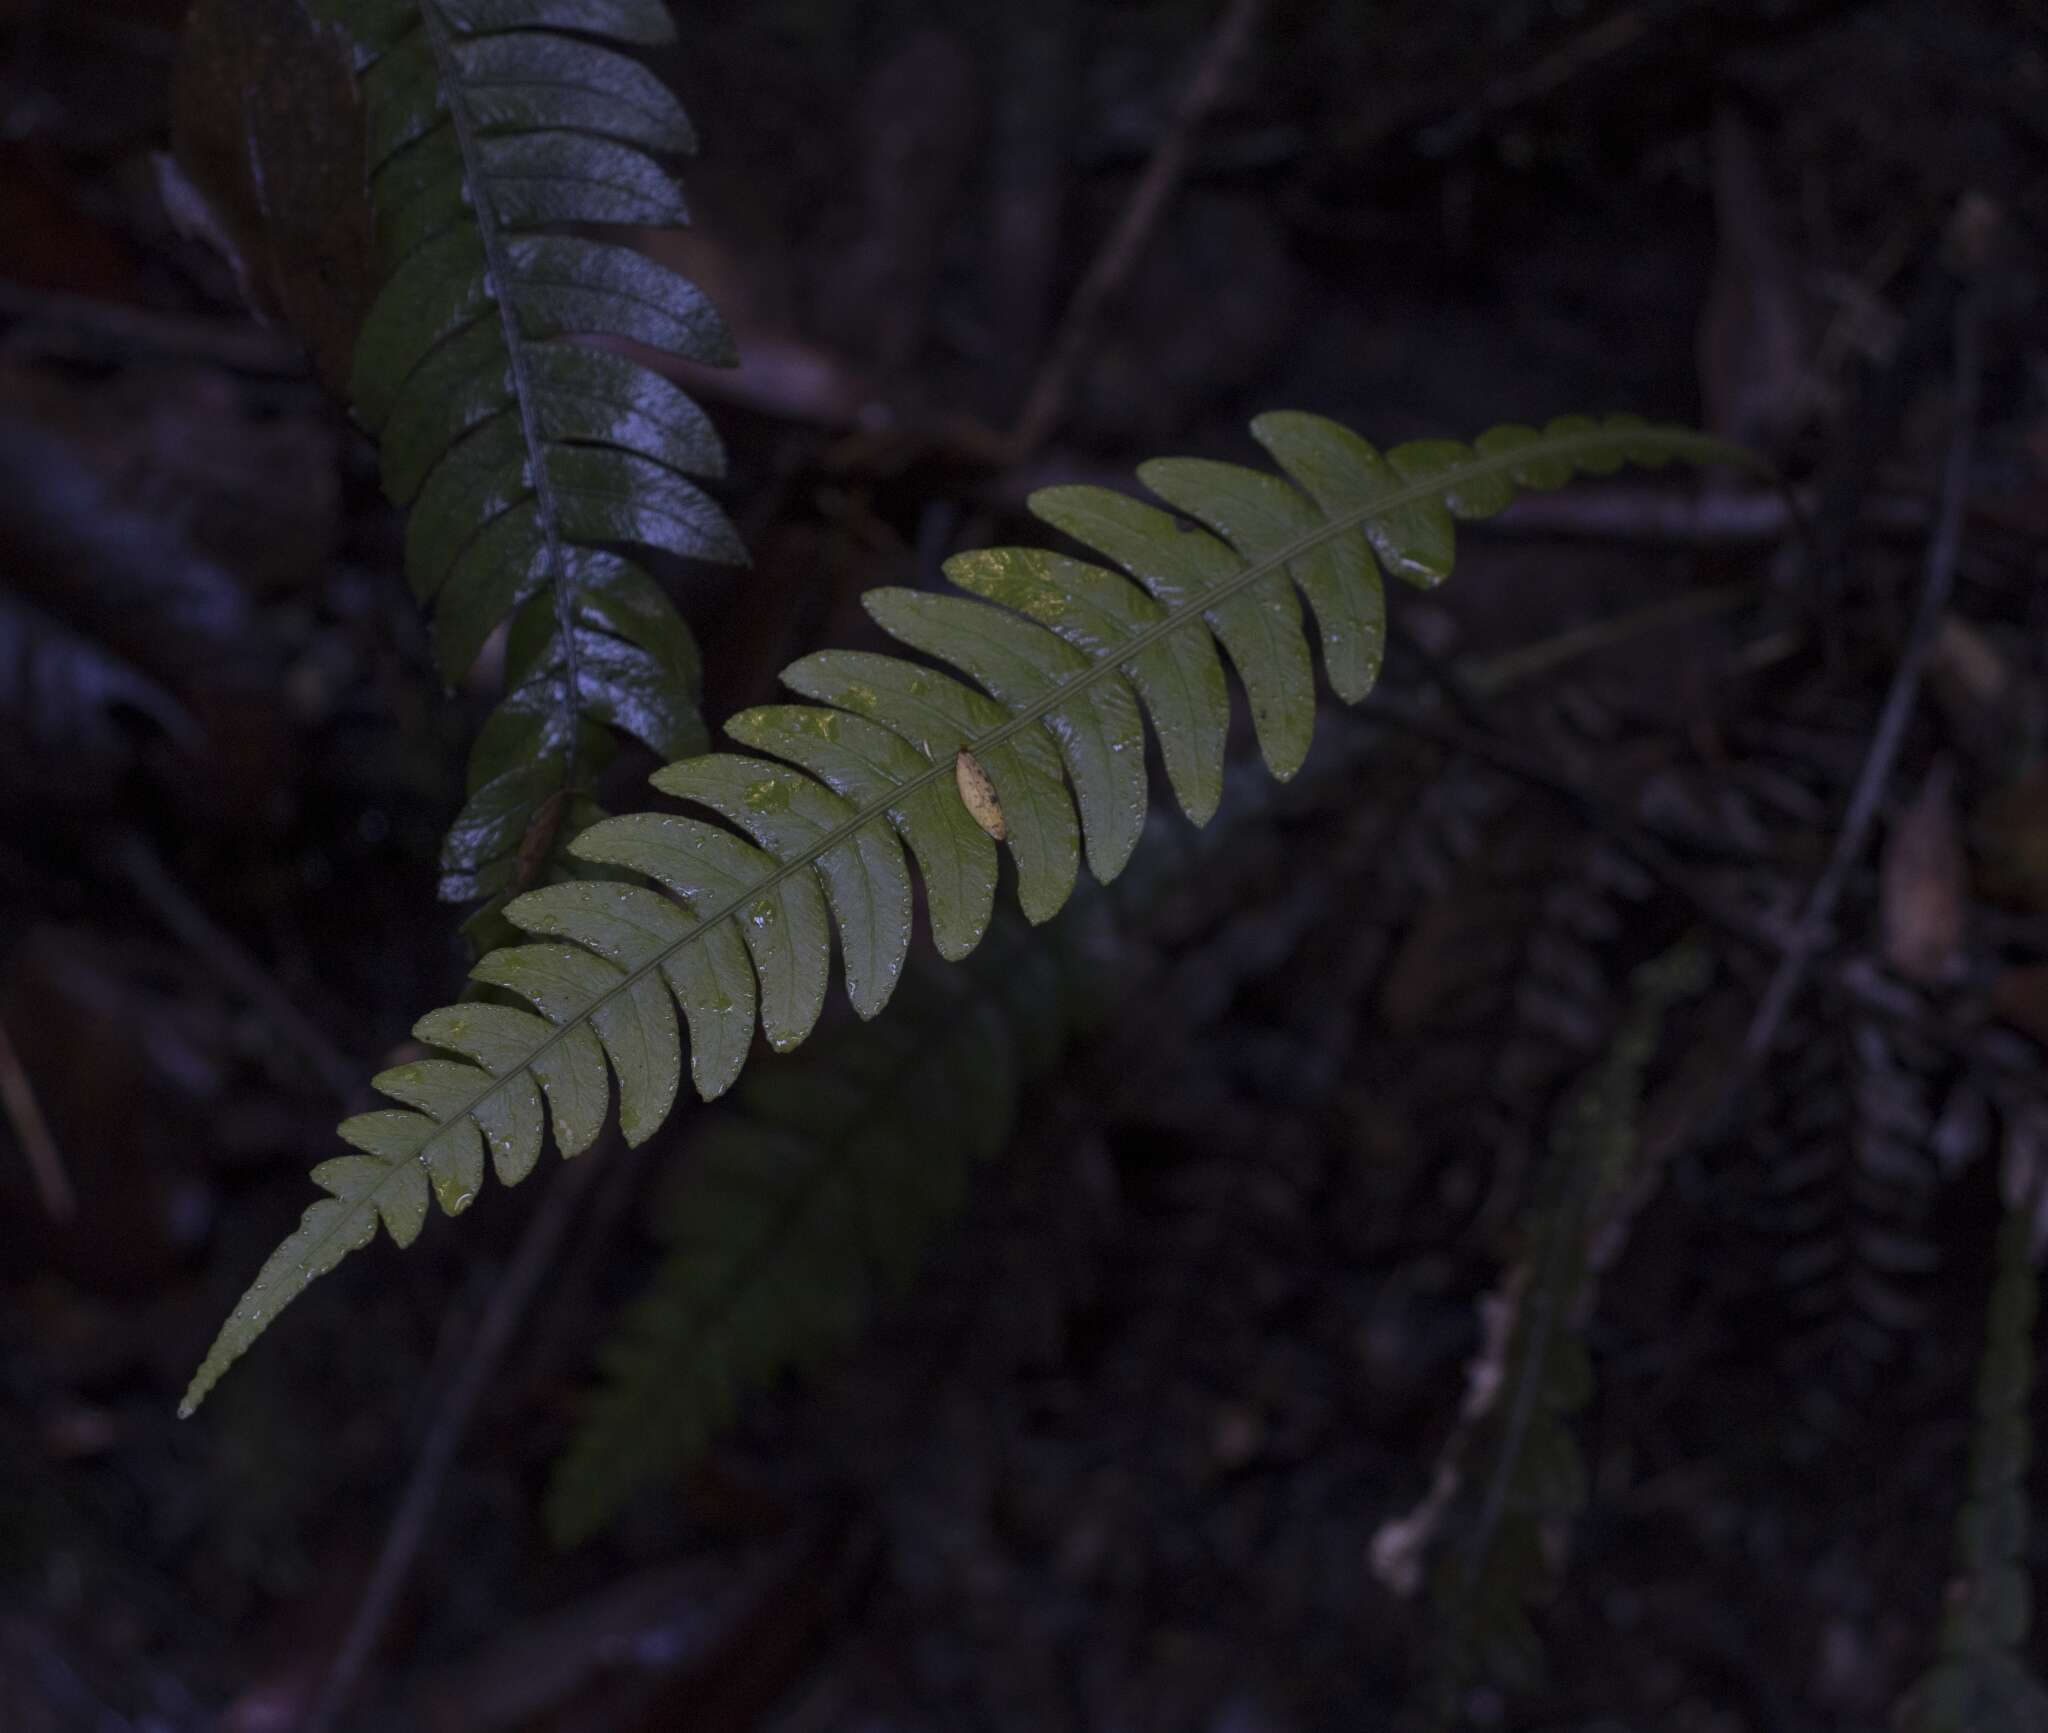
1117,1461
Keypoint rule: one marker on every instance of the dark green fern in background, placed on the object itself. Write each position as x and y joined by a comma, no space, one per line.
1982,1682
816,1193
524,455
1527,1475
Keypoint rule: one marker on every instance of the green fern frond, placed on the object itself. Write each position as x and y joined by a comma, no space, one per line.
1533,1475
817,1193
522,454
1066,655
1982,1682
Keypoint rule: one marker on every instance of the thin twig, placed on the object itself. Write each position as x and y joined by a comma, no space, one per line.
52,321
1936,583
1545,76
32,1132
1692,518
457,1407
1545,656
1125,245
232,962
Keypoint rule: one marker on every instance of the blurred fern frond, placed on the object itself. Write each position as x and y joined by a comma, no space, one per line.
1512,1478
1982,1682
813,1196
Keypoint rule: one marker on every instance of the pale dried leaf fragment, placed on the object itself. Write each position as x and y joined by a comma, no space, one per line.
978,794
1399,1550
1983,701
1923,884
1754,348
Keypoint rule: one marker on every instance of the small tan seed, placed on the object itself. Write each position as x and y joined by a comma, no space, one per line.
978,794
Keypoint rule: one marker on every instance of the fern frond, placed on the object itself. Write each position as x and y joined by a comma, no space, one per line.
524,457
814,1195
1848,1178
1066,655
1521,1426
1982,1681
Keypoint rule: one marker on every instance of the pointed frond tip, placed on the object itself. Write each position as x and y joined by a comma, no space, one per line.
812,832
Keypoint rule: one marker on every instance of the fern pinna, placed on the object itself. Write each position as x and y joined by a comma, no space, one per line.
1067,657
1982,1682
522,458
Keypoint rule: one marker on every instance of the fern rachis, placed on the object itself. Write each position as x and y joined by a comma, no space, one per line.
1075,649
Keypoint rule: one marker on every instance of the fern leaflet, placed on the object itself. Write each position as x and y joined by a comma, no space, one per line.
1515,1445
521,457
1982,1682
1063,653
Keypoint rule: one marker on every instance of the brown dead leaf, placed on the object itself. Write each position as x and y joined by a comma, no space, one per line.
1973,681
2020,997
1923,884
978,794
268,129
1754,350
